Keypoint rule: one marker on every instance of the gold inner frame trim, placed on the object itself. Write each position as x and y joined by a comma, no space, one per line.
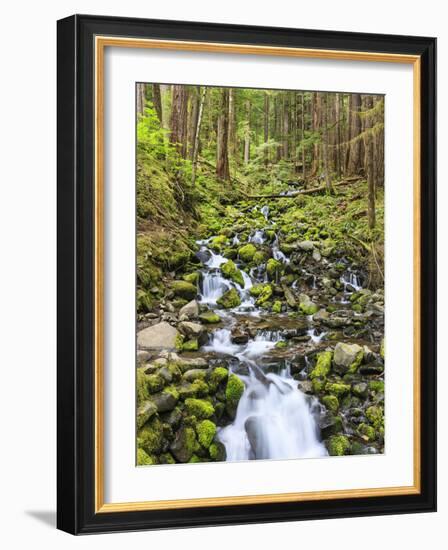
101,42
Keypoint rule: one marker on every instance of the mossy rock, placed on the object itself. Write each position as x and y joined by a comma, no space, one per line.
331,403
185,444
376,386
154,383
375,415
259,257
184,289
145,411
143,458
198,388
277,307
274,269
367,432
167,458
142,388
218,243
323,365
217,452
382,349
199,408
247,252
318,384
262,292
210,317
230,271
308,307
217,377
206,431
234,391
145,301
190,345
337,389
192,278
150,436
338,445
229,299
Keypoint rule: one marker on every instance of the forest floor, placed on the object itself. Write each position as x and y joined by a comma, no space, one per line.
234,292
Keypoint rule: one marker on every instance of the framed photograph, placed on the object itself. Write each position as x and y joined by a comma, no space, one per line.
246,274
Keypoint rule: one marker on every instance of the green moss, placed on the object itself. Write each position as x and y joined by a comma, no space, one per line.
150,436
357,308
190,345
259,257
166,458
145,301
247,252
323,365
229,299
217,451
382,349
210,317
179,341
277,307
281,344
142,388
144,412
172,390
355,365
274,269
143,459
217,376
338,445
218,243
185,290
195,459
337,389
375,415
263,293
376,385
154,383
230,271
191,278
234,391
199,408
331,403
367,432
206,431
308,308
318,384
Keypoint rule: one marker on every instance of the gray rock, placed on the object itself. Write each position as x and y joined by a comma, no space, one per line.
145,412
347,357
306,245
180,448
160,336
321,316
164,401
194,374
191,330
316,255
360,389
142,356
189,311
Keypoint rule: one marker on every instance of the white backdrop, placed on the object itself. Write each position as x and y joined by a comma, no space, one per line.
27,218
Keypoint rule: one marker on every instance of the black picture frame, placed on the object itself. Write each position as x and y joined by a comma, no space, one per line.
76,264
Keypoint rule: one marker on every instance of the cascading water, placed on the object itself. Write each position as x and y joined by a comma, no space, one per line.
274,419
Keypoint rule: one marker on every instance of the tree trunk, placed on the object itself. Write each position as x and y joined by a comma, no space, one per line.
141,99
157,100
369,162
325,138
317,109
266,127
196,135
355,147
285,128
222,162
247,135
302,138
178,123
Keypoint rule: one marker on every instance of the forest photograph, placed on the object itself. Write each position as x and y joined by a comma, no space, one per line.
259,274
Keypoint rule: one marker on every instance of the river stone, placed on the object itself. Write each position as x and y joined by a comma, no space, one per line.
316,255
145,412
255,427
160,336
185,363
164,401
142,356
321,316
347,357
184,444
189,311
289,297
193,374
239,336
184,289
306,245
191,330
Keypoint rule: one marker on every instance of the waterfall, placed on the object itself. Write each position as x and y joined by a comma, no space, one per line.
352,279
265,212
277,253
274,419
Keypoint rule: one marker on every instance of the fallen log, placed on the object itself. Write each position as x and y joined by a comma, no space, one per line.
300,192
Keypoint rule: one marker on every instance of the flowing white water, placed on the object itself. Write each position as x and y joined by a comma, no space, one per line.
274,419
351,279
265,212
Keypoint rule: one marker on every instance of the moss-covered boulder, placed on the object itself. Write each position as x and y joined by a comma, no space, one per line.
306,306
234,391
260,257
150,436
198,388
230,271
199,408
274,269
190,345
218,243
262,292
209,317
277,307
217,452
184,289
218,376
154,382
337,389
323,365
192,278
331,402
338,445
145,411
143,459
247,252
229,299
206,431
366,432
185,444
347,358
